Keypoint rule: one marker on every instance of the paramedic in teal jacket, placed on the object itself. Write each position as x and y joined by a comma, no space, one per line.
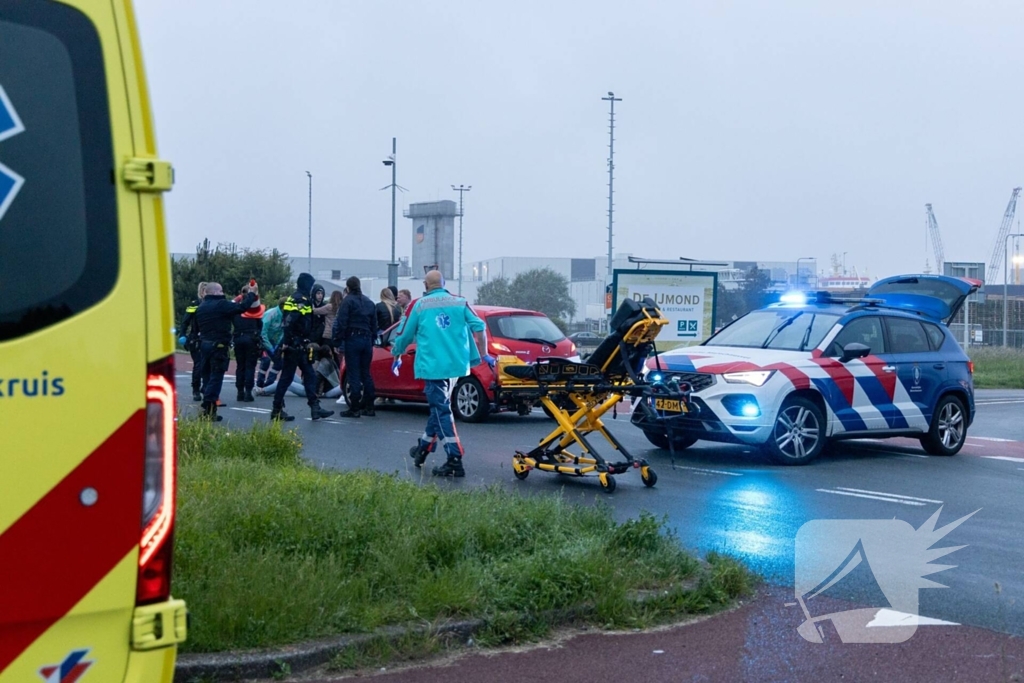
450,339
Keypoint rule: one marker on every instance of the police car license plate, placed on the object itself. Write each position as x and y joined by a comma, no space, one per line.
669,405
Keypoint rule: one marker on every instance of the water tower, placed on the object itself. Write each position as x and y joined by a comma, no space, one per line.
433,236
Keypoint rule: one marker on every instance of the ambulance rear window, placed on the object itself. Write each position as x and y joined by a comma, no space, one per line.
58,217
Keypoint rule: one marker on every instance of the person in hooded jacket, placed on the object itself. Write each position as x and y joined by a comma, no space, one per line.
248,342
214,318
296,347
356,329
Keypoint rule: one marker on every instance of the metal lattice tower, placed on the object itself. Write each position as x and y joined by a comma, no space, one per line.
998,254
461,189
933,232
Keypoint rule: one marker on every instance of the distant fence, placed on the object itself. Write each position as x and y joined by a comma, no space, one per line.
986,322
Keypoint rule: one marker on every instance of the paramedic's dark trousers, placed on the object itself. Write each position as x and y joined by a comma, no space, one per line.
441,423
215,361
247,353
295,358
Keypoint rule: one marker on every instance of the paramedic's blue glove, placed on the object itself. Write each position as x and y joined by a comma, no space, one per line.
182,340
489,359
396,365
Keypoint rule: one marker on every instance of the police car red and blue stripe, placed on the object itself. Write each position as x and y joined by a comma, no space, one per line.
814,368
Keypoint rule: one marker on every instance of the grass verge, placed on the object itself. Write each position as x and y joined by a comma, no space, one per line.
998,368
272,551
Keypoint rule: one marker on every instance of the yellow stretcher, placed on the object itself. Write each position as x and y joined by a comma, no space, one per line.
579,394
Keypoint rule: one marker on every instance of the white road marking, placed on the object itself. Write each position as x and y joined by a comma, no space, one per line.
892,495
702,470
861,495
915,455
991,438
262,411
998,402
405,431
1002,457
890,617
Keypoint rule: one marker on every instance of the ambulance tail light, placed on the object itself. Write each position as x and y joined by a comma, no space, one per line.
970,367
158,499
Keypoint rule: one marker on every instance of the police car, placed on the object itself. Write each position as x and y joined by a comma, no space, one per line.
792,376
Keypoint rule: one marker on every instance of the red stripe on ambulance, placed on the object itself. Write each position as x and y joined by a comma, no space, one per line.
61,548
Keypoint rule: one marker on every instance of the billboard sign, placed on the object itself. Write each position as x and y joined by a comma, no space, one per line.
687,299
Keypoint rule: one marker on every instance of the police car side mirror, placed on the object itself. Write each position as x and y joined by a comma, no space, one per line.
854,350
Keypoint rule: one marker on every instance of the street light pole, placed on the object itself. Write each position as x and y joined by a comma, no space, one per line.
461,189
611,100
1006,279
392,161
802,258
309,253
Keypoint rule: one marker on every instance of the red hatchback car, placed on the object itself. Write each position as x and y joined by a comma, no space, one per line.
527,335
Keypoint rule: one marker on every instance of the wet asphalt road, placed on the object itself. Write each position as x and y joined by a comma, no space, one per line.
726,498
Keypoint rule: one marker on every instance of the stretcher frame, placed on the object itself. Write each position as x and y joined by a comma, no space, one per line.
579,395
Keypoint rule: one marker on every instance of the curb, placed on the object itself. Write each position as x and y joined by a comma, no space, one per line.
301,657
234,666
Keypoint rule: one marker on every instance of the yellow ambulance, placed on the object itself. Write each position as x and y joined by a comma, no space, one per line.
87,440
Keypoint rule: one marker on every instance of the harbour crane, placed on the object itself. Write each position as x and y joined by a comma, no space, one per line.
933,230
995,266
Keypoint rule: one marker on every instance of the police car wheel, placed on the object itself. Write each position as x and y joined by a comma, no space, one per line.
679,442
469,403
799,433
948,429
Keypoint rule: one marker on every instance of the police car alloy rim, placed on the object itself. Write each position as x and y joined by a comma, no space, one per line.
468,398
797,432
951,425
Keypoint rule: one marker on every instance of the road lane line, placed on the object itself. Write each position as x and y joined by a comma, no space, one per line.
998,402
893,495
1002,457
262,411
991,438
707,471
861,495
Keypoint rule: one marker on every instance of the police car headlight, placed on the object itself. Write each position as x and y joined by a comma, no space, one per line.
754,377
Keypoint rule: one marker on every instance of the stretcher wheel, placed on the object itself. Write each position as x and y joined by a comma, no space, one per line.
607,482
521,475
648,476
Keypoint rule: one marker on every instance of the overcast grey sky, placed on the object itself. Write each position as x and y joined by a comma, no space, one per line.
748,130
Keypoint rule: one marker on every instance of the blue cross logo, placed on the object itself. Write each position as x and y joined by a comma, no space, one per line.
443,321
10,125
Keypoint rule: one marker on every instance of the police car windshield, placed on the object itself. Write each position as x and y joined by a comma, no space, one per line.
782,329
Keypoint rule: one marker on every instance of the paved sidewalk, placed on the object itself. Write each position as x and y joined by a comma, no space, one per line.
756,642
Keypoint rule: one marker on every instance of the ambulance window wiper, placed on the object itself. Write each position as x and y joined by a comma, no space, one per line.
779,328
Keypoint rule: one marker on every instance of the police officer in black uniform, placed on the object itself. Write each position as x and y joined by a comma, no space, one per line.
214,317
190,333
296,351
355,328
